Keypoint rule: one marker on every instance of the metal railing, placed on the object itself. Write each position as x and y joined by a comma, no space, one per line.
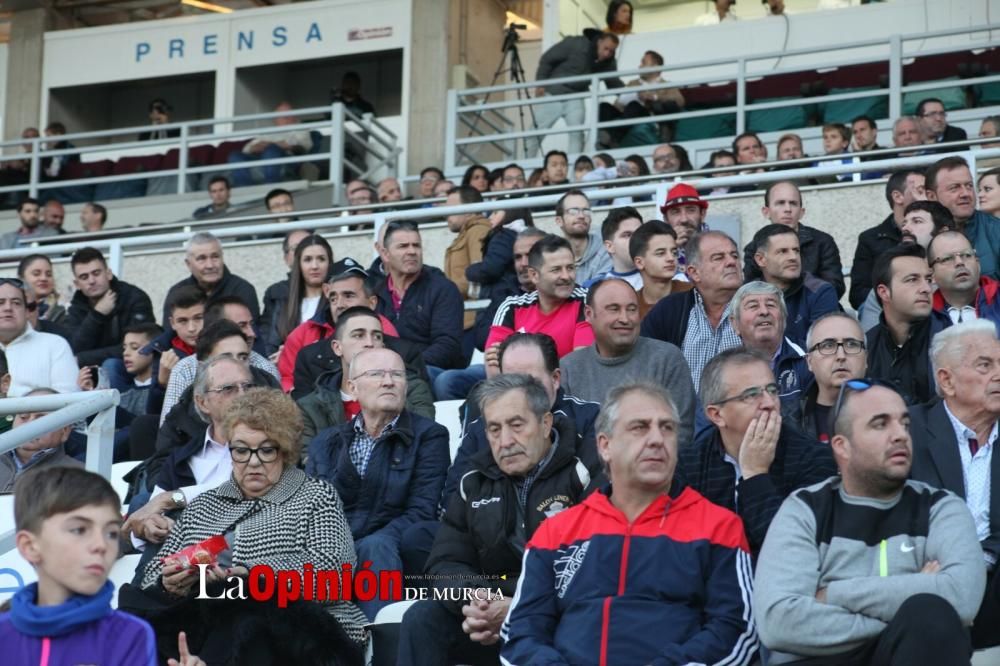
654,187
469,103
69,408
360,144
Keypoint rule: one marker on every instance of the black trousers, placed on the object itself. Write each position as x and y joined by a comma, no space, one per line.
431,635
925,630
986,626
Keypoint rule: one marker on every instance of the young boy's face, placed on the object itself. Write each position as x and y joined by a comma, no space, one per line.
73,552
135,363
833,142
188,322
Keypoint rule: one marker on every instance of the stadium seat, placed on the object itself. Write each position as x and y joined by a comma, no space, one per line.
843,111
382,648
953,97
782,118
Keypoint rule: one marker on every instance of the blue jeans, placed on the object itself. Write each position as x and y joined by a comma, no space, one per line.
382,550
271,173
432,634
456,384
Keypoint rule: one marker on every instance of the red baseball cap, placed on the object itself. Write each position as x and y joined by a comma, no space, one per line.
682,194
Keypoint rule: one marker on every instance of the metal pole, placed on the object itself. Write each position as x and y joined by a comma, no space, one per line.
337,135
36,168
741,96
593,117
115,259
182,161
101,441
450,129
895,76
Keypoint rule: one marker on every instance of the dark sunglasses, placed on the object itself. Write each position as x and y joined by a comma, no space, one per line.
856,385
17,282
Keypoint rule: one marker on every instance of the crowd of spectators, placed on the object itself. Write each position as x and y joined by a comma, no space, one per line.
816,477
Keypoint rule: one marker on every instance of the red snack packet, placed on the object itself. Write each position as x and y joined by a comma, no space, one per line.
205,552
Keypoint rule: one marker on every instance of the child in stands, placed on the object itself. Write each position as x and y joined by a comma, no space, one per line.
139,366
68,522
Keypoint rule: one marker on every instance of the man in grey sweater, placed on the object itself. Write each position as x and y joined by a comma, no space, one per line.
619,356
868,567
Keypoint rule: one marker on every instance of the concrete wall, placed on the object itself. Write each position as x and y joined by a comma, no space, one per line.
843,211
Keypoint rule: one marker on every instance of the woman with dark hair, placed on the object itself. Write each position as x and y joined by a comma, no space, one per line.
682,157
36,271
496,180
638,165
313,258
498,249
619,17
477,176
582,166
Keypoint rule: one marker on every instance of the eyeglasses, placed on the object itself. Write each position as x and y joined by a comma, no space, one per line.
751,394
242,454
513,179
948,259
231,389
933,114
17,282
379,374
854,385
829,346
586,212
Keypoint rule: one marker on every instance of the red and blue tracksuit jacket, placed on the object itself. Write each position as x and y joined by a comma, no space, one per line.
672,587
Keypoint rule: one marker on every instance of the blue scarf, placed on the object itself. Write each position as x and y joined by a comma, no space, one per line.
33,620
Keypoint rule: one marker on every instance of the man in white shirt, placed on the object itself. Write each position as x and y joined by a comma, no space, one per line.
953,440
200,465
35,359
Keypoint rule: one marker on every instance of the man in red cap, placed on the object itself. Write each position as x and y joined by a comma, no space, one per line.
685,211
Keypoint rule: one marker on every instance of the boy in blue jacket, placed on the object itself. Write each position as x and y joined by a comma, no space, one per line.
68,522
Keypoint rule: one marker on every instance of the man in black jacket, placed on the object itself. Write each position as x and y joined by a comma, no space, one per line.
749,461
934,125
953,441
208,270
898,347
903,188
421,302
529,472
819,252
102,308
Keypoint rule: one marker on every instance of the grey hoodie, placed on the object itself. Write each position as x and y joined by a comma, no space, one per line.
867,554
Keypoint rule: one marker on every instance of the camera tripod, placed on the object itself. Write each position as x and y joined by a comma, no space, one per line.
516,70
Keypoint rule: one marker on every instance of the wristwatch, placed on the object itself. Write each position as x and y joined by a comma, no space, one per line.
180,502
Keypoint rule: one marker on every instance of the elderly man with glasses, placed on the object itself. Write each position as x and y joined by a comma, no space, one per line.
387,463
748,461
199,465
836,353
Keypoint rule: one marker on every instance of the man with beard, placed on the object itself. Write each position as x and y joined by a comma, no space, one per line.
685,212
867,567
698,321
573,217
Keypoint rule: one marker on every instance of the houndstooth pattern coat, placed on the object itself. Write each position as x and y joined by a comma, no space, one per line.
300,520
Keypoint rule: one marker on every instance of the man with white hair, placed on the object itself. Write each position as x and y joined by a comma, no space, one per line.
203,258
953,440
759,316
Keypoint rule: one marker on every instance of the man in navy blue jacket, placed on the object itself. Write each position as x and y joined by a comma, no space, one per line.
421,302
387,464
